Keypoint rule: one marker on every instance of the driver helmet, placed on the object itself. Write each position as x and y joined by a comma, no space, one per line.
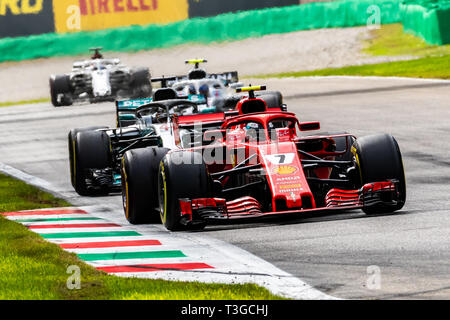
97,55
204,90
252,130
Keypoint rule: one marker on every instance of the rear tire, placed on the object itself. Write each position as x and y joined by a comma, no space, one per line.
140,83
139,184
378,158
273,99
189,179
71,146
91,150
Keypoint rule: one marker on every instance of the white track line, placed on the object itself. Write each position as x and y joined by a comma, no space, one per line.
29,179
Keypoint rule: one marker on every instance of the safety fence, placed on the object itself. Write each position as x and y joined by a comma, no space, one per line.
26,17
428,19
228,26
29,17
166,23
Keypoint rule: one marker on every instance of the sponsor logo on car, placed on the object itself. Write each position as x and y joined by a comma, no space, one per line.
290,186
285,170
287,179
133,103
284,158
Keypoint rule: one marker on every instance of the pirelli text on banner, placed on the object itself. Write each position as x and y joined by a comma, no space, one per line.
89,15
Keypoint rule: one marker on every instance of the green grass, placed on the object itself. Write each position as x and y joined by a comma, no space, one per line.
430,61
429,67
390,40
34,269
16,103
16,195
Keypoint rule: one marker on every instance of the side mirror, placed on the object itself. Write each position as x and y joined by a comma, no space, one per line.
309,126
212,135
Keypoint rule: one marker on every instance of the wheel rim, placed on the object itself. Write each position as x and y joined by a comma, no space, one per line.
124,189
162,194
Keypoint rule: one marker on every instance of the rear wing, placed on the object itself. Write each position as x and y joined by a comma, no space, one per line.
126,111
227,78
205,120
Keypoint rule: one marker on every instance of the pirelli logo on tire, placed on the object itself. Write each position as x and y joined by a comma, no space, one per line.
90,15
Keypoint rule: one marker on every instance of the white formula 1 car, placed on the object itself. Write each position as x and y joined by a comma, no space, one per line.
99,80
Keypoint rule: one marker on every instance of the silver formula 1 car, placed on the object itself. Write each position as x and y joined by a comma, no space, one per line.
218,89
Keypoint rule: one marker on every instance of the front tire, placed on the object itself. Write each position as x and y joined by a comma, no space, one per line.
378,158
189,179
139,184
60,87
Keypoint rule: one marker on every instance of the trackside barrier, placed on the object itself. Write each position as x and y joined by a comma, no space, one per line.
428,19
211,8
92,15
230,26
25,17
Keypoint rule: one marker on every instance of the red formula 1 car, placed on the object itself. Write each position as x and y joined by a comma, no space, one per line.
261,163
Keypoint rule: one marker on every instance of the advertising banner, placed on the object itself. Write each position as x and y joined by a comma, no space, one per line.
25,17
209,8
89,15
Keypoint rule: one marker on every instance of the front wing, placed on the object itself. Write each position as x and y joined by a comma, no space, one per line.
370,194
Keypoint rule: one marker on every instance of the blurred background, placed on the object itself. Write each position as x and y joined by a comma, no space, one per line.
259,38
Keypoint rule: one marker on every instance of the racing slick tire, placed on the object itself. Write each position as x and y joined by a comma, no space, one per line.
60,85
140,83
378,158
273,99
177,179
71,145
91,150
139,184
228,103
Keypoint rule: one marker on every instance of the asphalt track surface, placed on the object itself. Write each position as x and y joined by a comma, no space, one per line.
335,252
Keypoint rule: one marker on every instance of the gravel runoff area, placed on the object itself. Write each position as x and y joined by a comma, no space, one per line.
296,51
